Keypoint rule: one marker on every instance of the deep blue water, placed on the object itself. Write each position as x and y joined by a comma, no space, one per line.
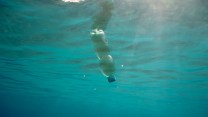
48,66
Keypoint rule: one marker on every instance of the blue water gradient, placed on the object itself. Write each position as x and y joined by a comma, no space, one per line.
48,66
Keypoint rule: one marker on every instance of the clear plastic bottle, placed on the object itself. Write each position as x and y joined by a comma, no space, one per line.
103,54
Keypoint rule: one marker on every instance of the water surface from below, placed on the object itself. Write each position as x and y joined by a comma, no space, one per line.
48,66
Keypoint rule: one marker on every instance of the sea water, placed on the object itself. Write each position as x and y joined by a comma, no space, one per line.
48,65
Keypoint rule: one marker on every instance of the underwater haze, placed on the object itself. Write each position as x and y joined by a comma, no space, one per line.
49,68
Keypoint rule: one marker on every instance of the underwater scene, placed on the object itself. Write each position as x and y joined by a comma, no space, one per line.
103,58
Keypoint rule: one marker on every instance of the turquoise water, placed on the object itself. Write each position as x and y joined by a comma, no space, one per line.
48,66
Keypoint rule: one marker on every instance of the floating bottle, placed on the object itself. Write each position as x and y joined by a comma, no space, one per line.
100,42
103,53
